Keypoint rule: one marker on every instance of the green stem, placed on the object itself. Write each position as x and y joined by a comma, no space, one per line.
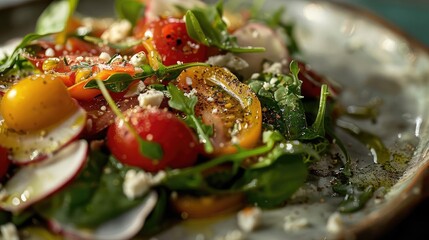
148,149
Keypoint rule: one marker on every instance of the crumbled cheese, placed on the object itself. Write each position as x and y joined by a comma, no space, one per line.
266,85
294,223
137,183
335,223
9,231
151,98
275,68
249,218
188,81
191,93
228,60
49,52
255,76
138,59
79,59
135,89
215,110
104,56
117,32
232,235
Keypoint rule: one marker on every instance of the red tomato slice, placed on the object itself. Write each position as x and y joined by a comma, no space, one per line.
172,41
177,141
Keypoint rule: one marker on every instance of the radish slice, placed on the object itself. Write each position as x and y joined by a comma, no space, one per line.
29,147
125,226
37,181
161,8
260,35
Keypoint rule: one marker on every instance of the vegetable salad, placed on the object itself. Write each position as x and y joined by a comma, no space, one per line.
116,128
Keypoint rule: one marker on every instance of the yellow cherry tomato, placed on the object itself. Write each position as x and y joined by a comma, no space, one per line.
36,102
225,103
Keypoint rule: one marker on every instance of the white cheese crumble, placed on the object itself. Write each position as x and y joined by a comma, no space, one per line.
9,231
335,223
151,98
135,89
249,218
228,60
50,52
138,59
275,68
191,93
294,223
137,183
104,56
117,32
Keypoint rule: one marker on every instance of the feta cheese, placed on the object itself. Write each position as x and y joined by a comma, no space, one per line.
151,98
191,93
117,32
135,89
228,60
137,183
275,68
249,218
9,231
294,223
335,223
49,52
104,56
138,59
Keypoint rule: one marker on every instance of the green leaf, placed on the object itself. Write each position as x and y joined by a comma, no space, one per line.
14,57
117,82
271,186
55,17
130,10
208,28
185,104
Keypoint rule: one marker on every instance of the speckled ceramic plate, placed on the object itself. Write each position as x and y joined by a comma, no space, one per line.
372,61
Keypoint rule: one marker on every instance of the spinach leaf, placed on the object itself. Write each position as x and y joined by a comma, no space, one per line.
130,10
186,105
207,27
271,186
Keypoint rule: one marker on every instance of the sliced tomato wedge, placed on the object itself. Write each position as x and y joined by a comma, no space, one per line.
227,104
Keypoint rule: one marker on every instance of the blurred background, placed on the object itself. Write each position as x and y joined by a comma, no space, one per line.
18,17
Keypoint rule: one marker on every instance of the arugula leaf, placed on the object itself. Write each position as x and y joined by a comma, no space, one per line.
130,10
208,28
14,57
119,82
354,197
55,17
186,105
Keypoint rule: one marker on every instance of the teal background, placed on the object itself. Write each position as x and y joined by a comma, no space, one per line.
412,16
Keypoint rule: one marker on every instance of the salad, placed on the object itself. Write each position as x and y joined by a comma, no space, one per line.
174,110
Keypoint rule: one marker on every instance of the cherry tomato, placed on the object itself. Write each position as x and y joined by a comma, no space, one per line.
4,162
36,102
227,104
177,141
172,41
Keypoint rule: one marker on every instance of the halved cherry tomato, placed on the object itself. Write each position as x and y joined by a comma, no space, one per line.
227,104
207,206
177,140
172,41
